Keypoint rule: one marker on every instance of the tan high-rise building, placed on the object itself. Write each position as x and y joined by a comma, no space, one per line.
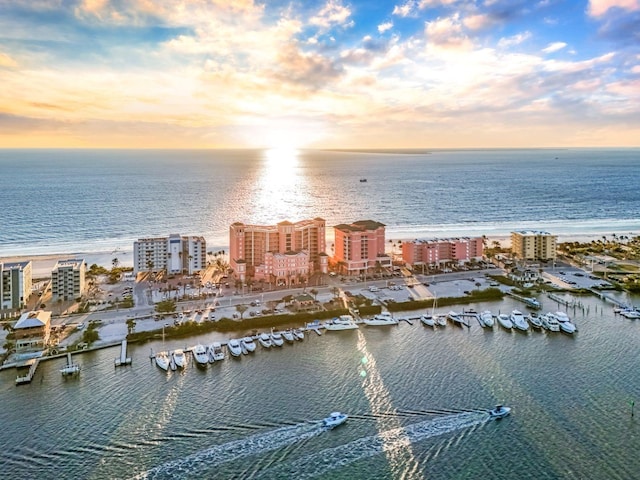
285,251
360,246
67,279
533,245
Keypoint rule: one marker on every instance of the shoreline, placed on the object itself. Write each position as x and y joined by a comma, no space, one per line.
42,264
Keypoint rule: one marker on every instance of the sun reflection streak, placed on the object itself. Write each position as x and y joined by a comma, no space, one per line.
397,447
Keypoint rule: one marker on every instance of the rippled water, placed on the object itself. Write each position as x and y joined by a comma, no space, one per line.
416,398
100,200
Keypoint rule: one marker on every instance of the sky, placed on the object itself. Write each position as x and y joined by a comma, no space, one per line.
319,74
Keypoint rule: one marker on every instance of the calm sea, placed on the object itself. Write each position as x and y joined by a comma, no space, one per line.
64,201
417,400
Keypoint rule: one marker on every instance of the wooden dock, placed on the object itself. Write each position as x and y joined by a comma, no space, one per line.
528,301
32,364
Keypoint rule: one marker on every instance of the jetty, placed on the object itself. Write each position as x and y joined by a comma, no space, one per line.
31,364
123,360
528,301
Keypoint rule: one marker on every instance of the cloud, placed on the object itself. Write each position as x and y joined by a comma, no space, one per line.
598,8
514,40
554,47
6,61
333,13
407,9
478,22
446,33
383,27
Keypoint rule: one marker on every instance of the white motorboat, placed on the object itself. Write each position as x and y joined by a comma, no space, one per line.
162,360
499,412
428,320
288,336
216,353
298,333
532,302
276,339
265,340
248,344
70,368
550,322
234,347
534,320
457,319
200,355
343,322
486,319
441,320
566,325
335,419
518,321
630,313
383,318
179,358
504,321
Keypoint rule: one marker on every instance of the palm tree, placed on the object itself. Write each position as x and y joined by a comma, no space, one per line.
241,308
314,292
131,325
115,262
335,291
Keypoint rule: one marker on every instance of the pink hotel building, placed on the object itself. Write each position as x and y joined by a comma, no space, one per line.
285,253
360,247
440,251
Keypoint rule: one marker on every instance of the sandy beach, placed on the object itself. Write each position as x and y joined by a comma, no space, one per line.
43,264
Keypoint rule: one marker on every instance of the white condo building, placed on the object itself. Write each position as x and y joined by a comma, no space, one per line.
68,279
174,253
15,286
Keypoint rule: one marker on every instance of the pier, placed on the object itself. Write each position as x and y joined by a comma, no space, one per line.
123,360
529,301
32,364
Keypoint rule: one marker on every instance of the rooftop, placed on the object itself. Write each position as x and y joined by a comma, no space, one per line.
38,318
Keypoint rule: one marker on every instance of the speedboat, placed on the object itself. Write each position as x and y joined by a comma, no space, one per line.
518,321
265,340
428,320
276,339
215,352
486,319
532,302
503,320
179,358
234,347
630,313
200,354
343,322
288,336
550,322
534,320
457,319
383,318
298,333
565,324
335,419
499,412
248,344
441,320
162,360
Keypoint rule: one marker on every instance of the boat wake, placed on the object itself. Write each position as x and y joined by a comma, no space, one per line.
319,463
188,467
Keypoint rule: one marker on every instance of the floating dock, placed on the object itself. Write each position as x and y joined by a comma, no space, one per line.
528,301
123,360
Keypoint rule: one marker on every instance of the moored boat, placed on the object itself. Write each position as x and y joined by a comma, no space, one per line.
518,321
441,320
162,360
215,352
534,320
298,333
179,358
335,419
550,322
566,326
276,339
504,321
70,368
248,344
288,335
457,319
200,355
265,340
343,322
381,319
234,347
428,320
486,319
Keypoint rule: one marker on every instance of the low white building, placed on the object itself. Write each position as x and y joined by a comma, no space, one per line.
175,254
68,279
15,286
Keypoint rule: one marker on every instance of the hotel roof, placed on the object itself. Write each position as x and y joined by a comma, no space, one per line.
531,232
359,226
12,265
73,262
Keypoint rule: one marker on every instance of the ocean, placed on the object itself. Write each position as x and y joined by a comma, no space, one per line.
417,398
67,201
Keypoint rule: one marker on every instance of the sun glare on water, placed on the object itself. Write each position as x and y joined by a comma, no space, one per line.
284,157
